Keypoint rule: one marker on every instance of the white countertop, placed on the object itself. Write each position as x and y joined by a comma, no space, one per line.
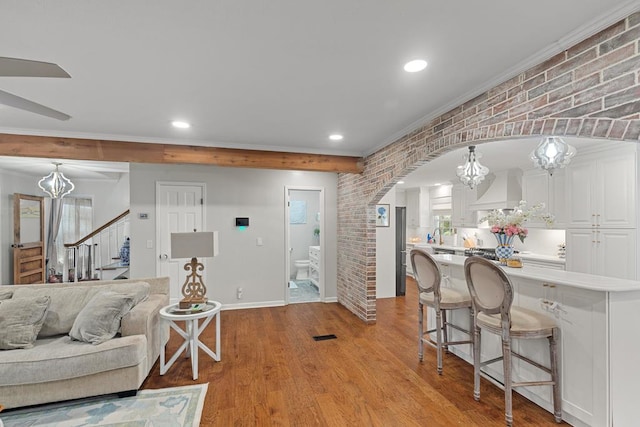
558,277
524,256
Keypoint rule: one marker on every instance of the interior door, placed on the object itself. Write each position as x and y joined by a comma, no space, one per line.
180,209
28,239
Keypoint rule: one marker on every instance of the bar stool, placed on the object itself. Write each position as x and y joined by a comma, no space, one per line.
492,296
429,278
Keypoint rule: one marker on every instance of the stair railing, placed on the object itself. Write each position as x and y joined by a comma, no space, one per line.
87,259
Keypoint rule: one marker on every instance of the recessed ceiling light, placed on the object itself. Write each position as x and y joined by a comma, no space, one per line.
437,184
415,65
336,137
180,124
400,182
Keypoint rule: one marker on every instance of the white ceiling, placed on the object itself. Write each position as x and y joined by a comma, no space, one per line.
278,74
72,169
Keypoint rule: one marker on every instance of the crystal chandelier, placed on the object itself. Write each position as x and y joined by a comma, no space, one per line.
472,172
56,185
552,153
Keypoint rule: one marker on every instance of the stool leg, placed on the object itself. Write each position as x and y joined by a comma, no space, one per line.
445,335
506,354
476,360
555,376
420,332
439,339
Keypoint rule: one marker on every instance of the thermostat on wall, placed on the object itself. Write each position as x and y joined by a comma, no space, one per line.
242,222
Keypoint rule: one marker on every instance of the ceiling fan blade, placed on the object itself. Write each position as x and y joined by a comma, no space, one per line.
11,100
14,67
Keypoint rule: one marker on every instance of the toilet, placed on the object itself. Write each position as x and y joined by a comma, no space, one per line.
302,269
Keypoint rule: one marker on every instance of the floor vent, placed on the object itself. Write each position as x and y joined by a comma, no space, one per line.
325,337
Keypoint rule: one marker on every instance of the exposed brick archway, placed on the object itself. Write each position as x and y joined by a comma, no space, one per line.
590,90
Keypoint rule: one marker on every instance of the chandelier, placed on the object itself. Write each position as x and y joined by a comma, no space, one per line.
472,172
552,153
56,185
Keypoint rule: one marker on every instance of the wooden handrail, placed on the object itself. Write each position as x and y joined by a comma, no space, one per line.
97,230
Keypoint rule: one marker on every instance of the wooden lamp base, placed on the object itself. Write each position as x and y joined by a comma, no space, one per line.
194,290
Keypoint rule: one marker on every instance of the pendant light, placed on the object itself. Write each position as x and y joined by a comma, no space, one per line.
56,185
472,172
552,153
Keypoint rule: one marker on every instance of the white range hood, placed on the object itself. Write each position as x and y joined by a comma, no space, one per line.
504,192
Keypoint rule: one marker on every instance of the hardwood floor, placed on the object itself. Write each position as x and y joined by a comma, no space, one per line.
272,372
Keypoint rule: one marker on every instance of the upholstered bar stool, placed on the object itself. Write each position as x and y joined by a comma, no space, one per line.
492,296
429,279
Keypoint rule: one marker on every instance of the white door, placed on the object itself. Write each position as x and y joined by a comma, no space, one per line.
179,209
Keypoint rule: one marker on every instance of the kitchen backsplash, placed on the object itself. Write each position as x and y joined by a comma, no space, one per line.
539,241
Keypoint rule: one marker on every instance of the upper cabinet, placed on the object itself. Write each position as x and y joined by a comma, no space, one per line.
462,197
539,187
418,207
601,190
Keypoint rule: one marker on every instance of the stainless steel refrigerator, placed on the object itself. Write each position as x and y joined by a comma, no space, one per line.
401,250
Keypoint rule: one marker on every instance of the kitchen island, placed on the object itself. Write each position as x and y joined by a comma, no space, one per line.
599,318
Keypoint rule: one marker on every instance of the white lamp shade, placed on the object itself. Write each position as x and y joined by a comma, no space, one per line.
194,245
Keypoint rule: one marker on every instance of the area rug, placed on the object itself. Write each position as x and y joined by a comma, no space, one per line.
177,406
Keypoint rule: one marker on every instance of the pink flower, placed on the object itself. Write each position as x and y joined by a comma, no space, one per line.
496,229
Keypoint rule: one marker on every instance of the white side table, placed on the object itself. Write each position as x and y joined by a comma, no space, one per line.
193,330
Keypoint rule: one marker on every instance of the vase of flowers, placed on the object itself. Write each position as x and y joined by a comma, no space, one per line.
505,226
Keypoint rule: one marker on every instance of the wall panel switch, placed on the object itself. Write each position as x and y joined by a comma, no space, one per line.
149,244
259,241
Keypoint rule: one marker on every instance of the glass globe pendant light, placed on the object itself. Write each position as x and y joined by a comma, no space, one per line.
552,153
472,172
56,185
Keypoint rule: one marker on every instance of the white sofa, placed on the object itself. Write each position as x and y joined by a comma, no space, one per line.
58,367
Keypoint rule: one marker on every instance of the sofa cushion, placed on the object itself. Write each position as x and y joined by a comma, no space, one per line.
99,320
20,321
67,301
59,358
65,305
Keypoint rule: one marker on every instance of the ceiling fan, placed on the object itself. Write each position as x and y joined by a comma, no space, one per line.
13,67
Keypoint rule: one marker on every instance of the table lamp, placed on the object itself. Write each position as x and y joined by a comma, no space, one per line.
194,245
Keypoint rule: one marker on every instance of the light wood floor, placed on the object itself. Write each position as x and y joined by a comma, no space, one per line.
273,373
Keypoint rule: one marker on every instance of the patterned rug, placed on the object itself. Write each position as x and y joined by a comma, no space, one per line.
177,406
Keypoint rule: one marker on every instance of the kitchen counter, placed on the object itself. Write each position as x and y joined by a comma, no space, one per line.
524,256
558,277
597,317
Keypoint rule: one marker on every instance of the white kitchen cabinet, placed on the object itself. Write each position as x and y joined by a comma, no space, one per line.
461,199
581,315
607,252
601,190
417,207
539,187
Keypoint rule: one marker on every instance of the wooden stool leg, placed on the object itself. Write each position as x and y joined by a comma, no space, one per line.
420,332
476,361
506,354
439,338
555,376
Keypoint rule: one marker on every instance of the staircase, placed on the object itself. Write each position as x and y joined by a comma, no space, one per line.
96,256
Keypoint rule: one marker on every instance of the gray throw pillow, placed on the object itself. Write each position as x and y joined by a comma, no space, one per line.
99,320
21,320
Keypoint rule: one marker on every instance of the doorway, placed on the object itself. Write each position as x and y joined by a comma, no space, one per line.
179,209
304,222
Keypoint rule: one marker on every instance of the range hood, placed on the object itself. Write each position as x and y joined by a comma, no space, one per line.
504,192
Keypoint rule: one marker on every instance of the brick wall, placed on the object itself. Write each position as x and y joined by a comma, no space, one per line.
590,90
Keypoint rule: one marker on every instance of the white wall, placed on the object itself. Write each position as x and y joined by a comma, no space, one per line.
110,197
230,193
386,252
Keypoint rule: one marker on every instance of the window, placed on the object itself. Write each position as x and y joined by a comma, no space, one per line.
75,223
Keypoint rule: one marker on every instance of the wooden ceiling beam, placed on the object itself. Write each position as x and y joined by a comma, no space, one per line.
139,152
